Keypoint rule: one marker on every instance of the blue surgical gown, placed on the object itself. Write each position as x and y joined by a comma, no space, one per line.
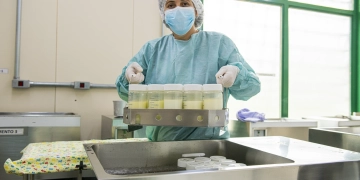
167,60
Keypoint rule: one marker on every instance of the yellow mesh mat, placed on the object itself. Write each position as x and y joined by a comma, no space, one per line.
50,157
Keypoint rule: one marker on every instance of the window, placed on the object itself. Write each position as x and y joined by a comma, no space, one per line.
319,64
339,4
256,30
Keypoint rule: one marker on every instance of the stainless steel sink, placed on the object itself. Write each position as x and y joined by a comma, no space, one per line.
344,138
266,158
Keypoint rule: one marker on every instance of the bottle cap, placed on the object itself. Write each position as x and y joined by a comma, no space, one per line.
155,87
192,165
205,167
192,87
137,87
217,158
173,87
202,159
214,163
194,155
237,165
227,161
183,161
212,87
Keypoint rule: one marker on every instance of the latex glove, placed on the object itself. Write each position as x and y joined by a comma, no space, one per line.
227,75
134,73
246,115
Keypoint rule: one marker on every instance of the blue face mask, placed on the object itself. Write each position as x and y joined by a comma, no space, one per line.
180,19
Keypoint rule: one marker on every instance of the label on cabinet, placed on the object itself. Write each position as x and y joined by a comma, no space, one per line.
11,131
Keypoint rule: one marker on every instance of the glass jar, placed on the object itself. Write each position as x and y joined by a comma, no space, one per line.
193,96
212,96
155,96
137,96
173,96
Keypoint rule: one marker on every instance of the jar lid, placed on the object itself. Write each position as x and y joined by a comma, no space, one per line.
212,87
192,165
202,159
173,87
137,87
227,161
217,158
192,87
155,87
183,161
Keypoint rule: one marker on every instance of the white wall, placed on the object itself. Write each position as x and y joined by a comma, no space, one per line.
72,40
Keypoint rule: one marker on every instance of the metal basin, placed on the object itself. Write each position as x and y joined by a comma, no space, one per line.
266,158
344,138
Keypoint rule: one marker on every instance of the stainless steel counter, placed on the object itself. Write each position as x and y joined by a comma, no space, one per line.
293,128
341,137
335,121
270,158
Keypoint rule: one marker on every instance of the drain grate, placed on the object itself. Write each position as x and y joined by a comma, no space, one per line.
142,170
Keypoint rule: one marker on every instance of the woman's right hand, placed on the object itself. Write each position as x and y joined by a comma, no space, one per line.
134,73
227,75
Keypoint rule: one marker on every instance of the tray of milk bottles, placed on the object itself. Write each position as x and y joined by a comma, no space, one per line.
189,105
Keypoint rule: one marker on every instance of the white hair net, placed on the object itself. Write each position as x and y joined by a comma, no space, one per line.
198,6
